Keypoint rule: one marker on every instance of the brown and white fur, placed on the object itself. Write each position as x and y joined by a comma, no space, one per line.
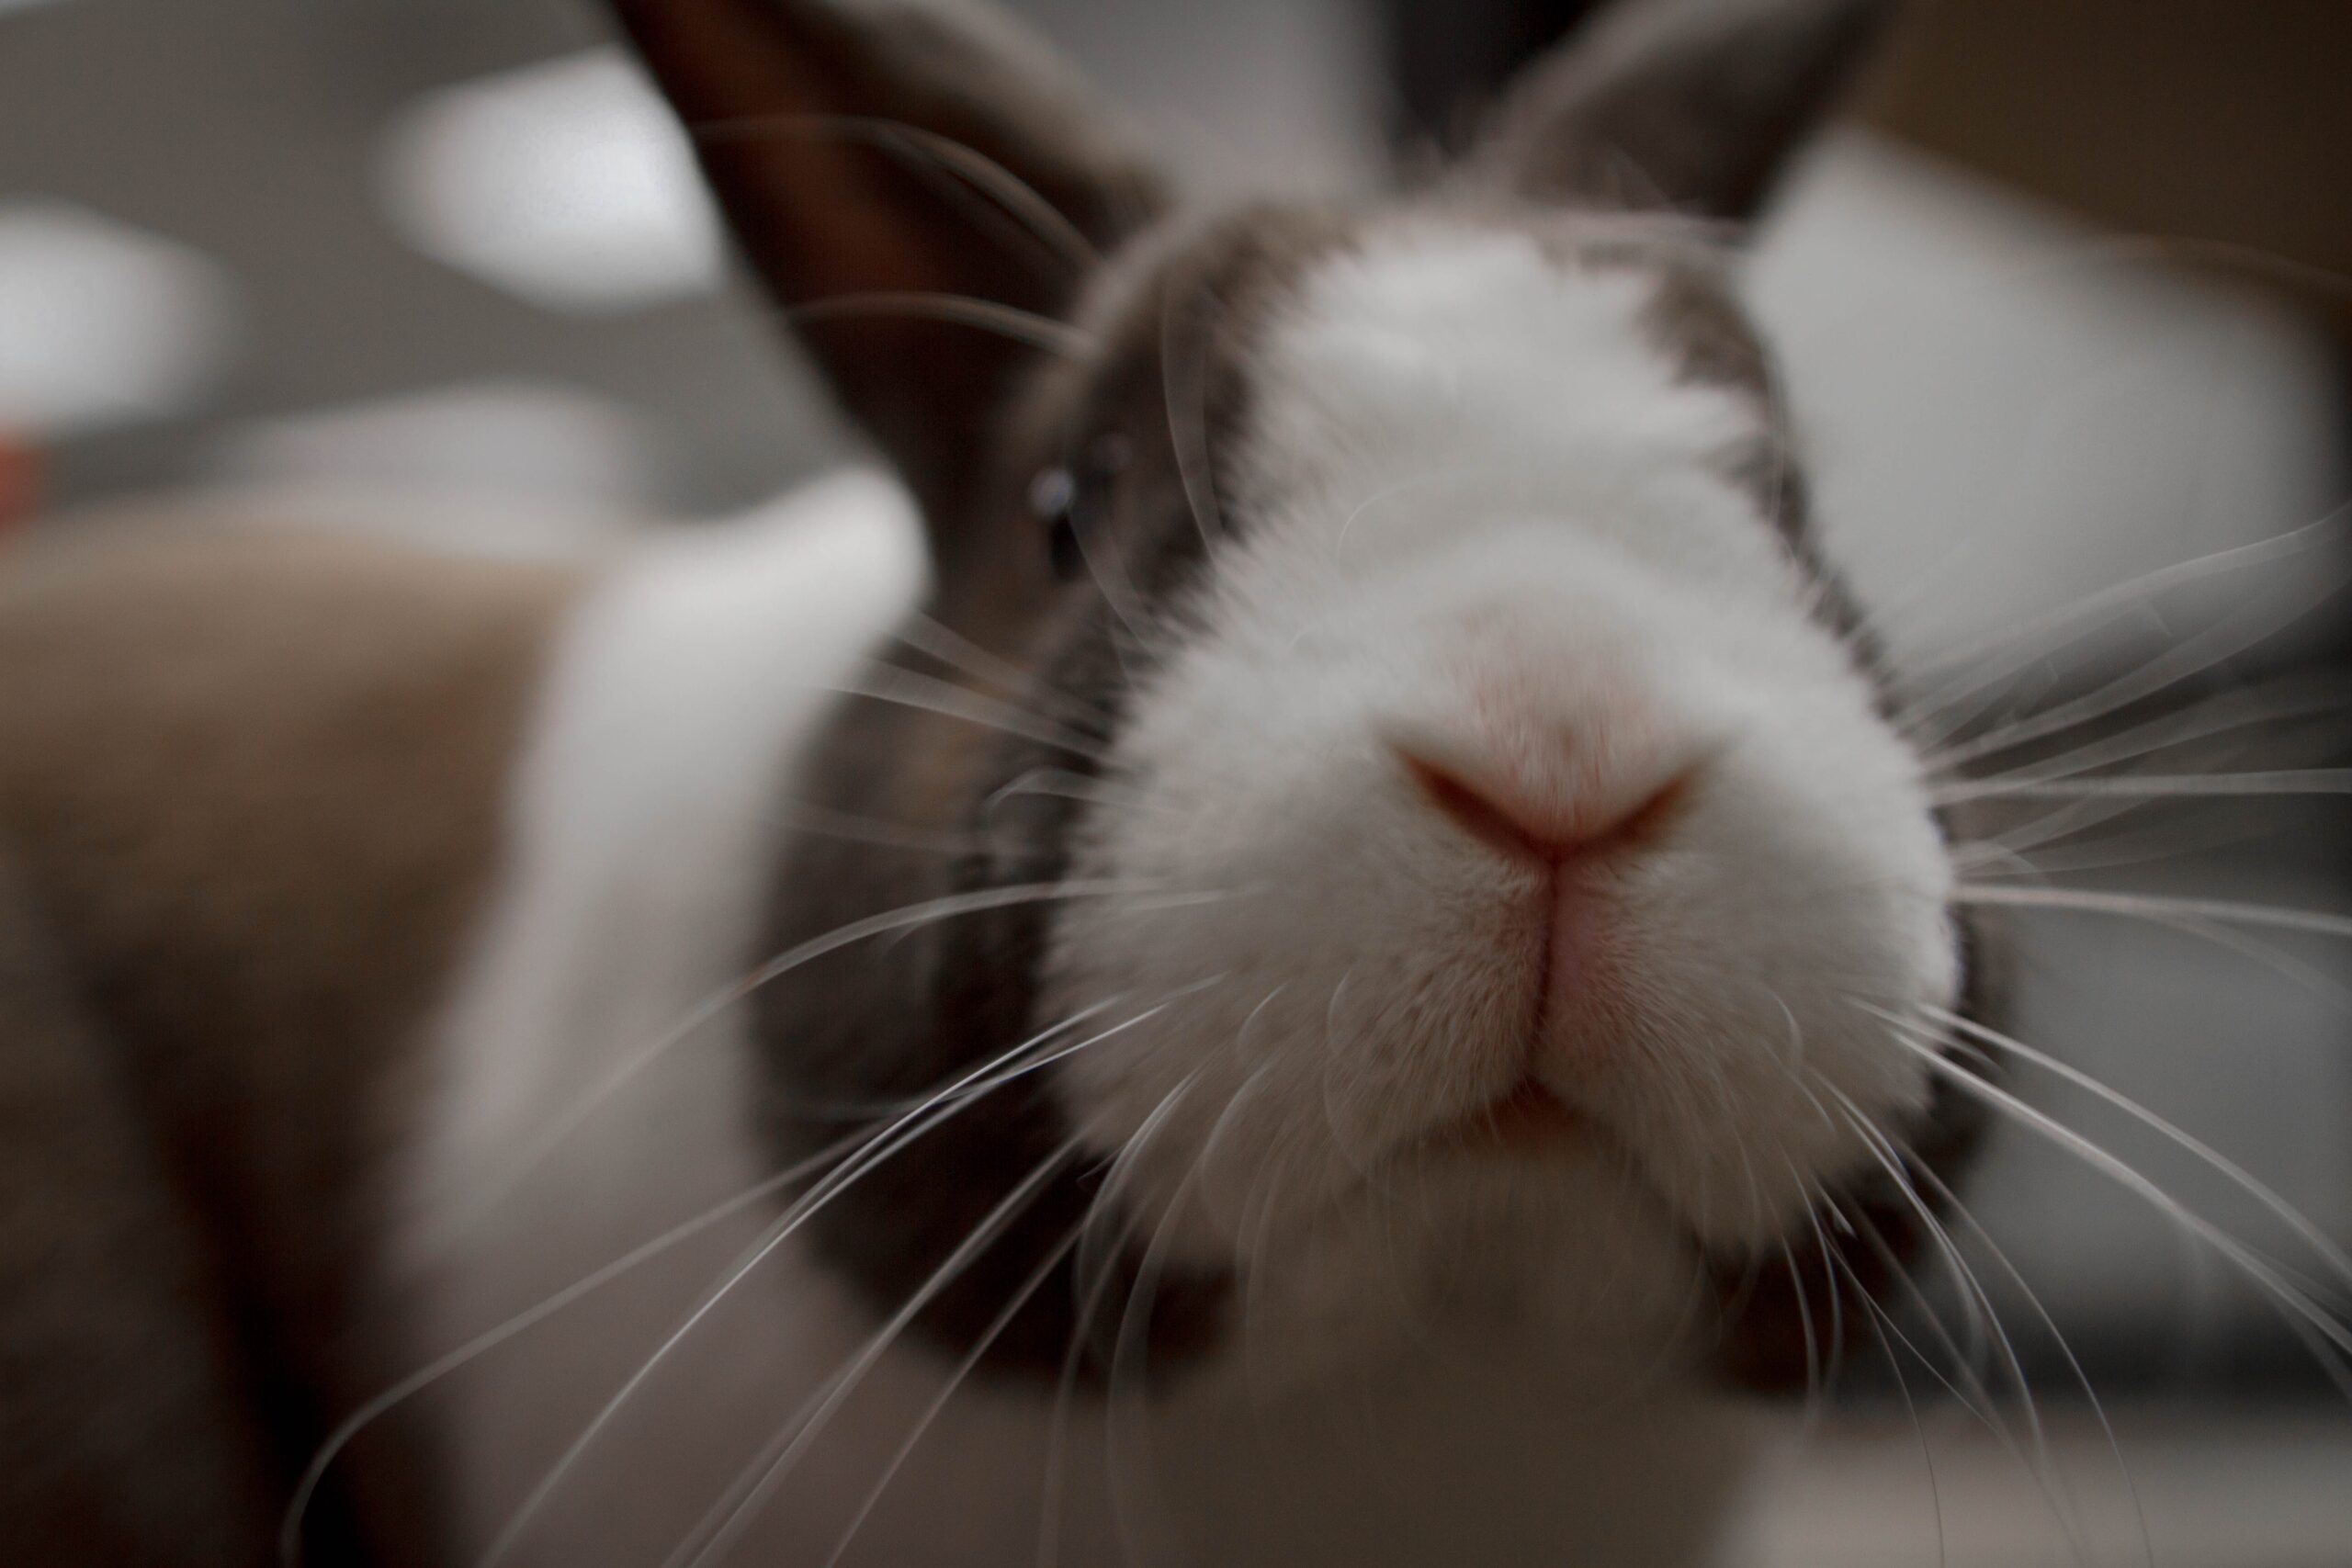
1311,1020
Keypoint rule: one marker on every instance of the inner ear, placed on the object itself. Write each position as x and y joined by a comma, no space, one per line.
1690,105
924,187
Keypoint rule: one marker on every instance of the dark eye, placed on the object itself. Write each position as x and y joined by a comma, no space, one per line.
1066,498
1053,501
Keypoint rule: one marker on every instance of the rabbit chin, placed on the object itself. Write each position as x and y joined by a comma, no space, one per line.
1486,519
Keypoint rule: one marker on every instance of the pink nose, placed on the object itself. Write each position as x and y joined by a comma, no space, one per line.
1520,824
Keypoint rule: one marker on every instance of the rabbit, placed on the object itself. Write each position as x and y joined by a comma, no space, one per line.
1296,940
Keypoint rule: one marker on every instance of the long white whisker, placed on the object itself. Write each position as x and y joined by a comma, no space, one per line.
972,1358
1096,1263
1019,199
910,688
886,1144
983,1234
1195,470
959,310
1981,1304
2039,1465
489,1194
2253,1186
2049,1325
289,1543
2192,656
1812,1344
2134,847
2027,642
1136,1314
2298,781
1885,1326
926,635
2150,905
2269,701
2285,1294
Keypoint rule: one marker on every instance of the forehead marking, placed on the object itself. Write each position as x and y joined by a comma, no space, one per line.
1529,379
1483,338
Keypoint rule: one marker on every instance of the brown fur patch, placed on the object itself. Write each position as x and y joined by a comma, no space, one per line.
124,1436
793,110
255,782
1170,381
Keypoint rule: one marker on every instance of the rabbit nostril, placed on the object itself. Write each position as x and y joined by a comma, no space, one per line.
1543,833
1476,813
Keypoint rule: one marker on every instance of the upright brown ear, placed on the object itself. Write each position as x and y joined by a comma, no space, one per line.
1694,106
907,177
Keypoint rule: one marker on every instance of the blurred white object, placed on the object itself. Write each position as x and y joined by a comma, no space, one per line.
549,442
567,183
500,467
102,325
2007,410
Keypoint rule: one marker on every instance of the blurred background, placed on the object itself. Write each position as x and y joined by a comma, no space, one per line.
2071,303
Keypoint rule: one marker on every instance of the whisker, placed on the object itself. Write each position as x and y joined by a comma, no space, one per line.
885,1144
2191,657
2156,906
2067,853
1018,198
2267,702
289,1540
1885,1326
1951,1200
1812,1344
2282,1292
2312,978
772,1473
1061,782
1195,468
1026,327
2026,641
629,1067
1124,1345
927,634
2244,1180
2298,781
1836,1354
1043,221
964,1369
1982,1314
1967,1384
907,688
1096,1261
2040,1465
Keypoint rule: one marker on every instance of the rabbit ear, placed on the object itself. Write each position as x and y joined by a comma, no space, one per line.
870,152
1694,105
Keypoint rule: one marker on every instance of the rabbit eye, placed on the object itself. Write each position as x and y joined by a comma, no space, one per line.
1066,496
1053,501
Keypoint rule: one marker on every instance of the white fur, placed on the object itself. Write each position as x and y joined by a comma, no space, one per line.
1487,518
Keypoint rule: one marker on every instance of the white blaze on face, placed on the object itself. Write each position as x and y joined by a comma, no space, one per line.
1484,517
